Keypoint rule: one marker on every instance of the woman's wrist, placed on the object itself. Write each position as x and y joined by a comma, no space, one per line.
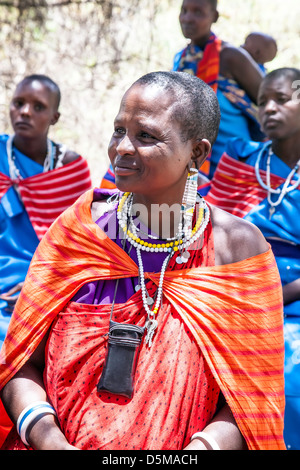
38,427
30,415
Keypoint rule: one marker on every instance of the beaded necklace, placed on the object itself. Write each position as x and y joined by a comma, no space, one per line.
14,171
286,187
179,243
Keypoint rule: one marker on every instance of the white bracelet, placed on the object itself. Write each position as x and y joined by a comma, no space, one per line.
32,413
207,438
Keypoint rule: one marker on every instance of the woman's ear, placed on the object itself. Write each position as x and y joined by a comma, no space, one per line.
201,150
55,118
216,16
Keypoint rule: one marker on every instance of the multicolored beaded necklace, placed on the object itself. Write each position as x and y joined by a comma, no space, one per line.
178,244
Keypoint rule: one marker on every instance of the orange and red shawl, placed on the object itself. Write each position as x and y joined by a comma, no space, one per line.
209,67
234,312
46,195
205,64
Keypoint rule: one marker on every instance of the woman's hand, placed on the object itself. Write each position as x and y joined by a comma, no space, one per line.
12,296
196,444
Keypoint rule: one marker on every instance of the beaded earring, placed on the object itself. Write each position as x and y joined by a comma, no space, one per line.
187,210
189,201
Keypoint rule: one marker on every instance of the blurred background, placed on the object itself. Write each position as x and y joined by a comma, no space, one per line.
95,49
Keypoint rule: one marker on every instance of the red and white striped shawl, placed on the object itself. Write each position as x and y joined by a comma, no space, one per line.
235,188
46,195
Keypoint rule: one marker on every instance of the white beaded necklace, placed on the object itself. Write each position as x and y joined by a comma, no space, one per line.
182,243
14,171
286,188
124,214
151,323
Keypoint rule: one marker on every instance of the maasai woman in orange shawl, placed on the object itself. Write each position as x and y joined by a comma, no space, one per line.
193,301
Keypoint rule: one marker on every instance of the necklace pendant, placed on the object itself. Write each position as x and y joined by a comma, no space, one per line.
151,326
271,212
150,301
185,256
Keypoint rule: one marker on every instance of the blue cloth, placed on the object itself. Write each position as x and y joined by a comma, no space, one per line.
283,233
193,54
233,123
18,240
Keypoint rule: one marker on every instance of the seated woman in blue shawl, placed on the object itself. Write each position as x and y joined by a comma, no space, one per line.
36,176
261,183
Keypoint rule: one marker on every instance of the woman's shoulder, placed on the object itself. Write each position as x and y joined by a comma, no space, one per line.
240,148
235,239
69,157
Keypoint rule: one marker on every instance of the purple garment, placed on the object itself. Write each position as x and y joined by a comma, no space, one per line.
102,292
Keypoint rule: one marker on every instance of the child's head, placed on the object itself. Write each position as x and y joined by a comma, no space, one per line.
34,106
261,46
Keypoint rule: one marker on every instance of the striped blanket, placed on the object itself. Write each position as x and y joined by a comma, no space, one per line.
46,195
234,312
235,188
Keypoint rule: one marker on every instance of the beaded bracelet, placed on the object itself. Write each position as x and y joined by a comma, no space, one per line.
31,414
206,438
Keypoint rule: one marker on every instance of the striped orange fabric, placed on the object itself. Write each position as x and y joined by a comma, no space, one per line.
234,311
237,321
208,68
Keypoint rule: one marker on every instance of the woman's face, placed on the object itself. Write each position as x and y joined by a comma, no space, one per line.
33,109
146,150
196,18
279,108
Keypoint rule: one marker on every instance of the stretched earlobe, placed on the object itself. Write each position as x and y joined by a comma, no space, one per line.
55,118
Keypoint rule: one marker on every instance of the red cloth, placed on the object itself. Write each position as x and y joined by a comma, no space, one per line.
209,67
175,393
46,195
234,187
5,425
